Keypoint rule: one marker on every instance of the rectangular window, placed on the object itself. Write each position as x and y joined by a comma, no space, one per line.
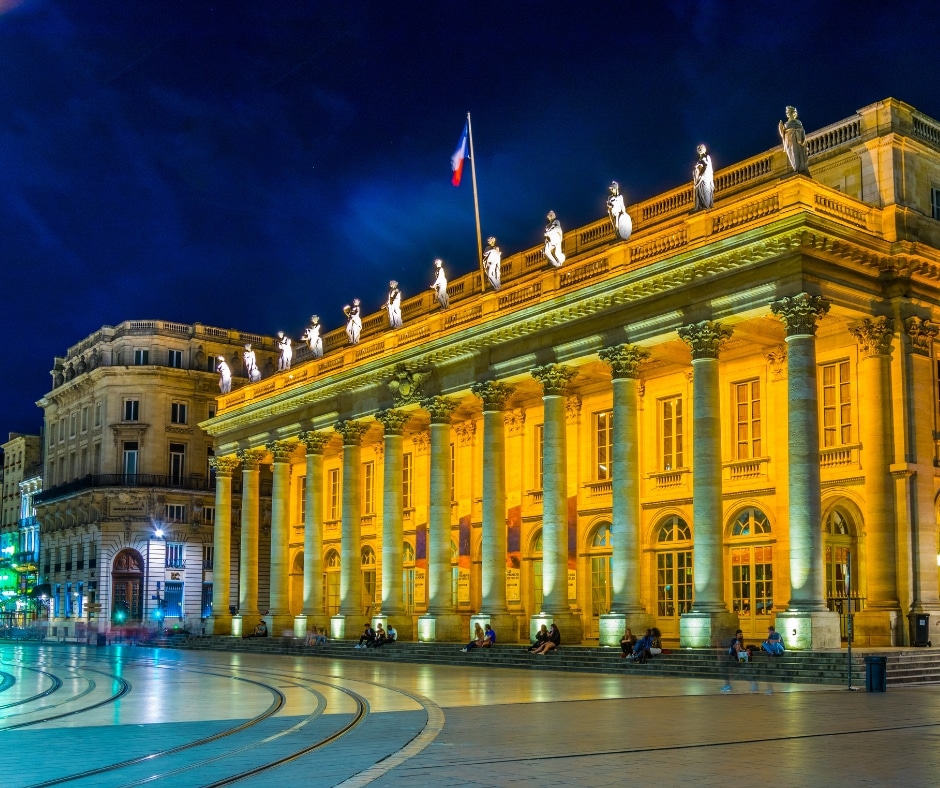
175,555
335,494
141,357
131,410
670,433
130,459
73,425
178,413
177,462
96,466
837,404
453,472
302,503
85,419
747,420
603,445
368,488
206,600
539,456
173,599
98,411
407,481
208,515
175,513
207,556
176,359
935,203
61,430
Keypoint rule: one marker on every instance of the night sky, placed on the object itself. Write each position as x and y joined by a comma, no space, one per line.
246,165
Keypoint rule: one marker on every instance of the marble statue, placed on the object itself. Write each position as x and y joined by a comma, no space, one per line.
617,211
353,322
251,364
439,285
393,305
312,337
703,180
492,262
225,375
794,142
286,353
553,241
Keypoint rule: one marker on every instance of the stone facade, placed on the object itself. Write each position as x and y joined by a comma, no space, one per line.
717,423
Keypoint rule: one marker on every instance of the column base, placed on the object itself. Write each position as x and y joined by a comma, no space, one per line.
238,626
404,625
219,626
877,628
505,625
569,624
344,627
613,625
279,624
300,626
706,630
809,631
440,628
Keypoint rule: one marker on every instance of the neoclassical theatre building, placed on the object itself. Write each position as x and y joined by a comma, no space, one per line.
726,420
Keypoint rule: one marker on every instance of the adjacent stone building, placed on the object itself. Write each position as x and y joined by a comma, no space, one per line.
127,508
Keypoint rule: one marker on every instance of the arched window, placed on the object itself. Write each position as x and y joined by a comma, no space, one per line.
535,574
331,582
840,540
752,568
369,585
127,574
673,571
600,558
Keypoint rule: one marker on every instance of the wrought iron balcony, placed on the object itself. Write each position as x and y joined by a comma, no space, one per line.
197,483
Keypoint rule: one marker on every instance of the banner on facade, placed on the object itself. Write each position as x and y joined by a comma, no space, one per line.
514,554
573,548
421,563
463,560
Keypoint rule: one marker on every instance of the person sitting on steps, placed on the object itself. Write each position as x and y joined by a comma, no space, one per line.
367,637
553,642
478,637
540,637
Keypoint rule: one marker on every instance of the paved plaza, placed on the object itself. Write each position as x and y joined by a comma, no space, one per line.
123,716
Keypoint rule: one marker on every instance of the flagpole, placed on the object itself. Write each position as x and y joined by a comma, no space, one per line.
476,205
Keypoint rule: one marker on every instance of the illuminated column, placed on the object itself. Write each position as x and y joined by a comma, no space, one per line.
874,384
919,365
351,611
554,379
709,623
494,609
393,600
279,609
248,558
625,607
806,623
221,621
441,622
314,610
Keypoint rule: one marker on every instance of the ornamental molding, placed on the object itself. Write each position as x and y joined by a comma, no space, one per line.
777,361
554,378
874,336
466,431
392,420
315,442
624,360
422,443
514,420
224,466
439,409
352,432
573,407
493,393
280,450
250,458
800,313
705,338
407,386
920,334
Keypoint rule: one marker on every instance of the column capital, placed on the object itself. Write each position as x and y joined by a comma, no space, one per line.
493,393
439,408
224,466
280,450
554,378
315,442
352,431
250,458
921,333
800,313
704,338
514,420
466,430
874,336
392,420
624,360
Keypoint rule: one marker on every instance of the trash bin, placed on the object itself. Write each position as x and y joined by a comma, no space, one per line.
876,674
102,640
920,629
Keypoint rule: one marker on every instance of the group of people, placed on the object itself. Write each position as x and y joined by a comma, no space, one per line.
545,640
316,637
741,654
483,637
375,638
641,649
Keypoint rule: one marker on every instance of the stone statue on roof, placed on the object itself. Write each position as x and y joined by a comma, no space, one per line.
225,375
285,352
312,337
353,322
794,142
439,285
703,180
492,262
553,241
617,211
393,305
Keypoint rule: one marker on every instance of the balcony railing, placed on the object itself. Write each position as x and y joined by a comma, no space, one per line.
199,483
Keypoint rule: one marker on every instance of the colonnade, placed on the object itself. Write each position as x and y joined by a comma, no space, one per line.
806,621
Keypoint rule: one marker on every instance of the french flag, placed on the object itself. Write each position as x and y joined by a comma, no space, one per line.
456,161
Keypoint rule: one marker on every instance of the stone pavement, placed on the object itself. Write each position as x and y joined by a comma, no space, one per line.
122,716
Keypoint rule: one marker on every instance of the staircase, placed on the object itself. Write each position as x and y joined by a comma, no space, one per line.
905,666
